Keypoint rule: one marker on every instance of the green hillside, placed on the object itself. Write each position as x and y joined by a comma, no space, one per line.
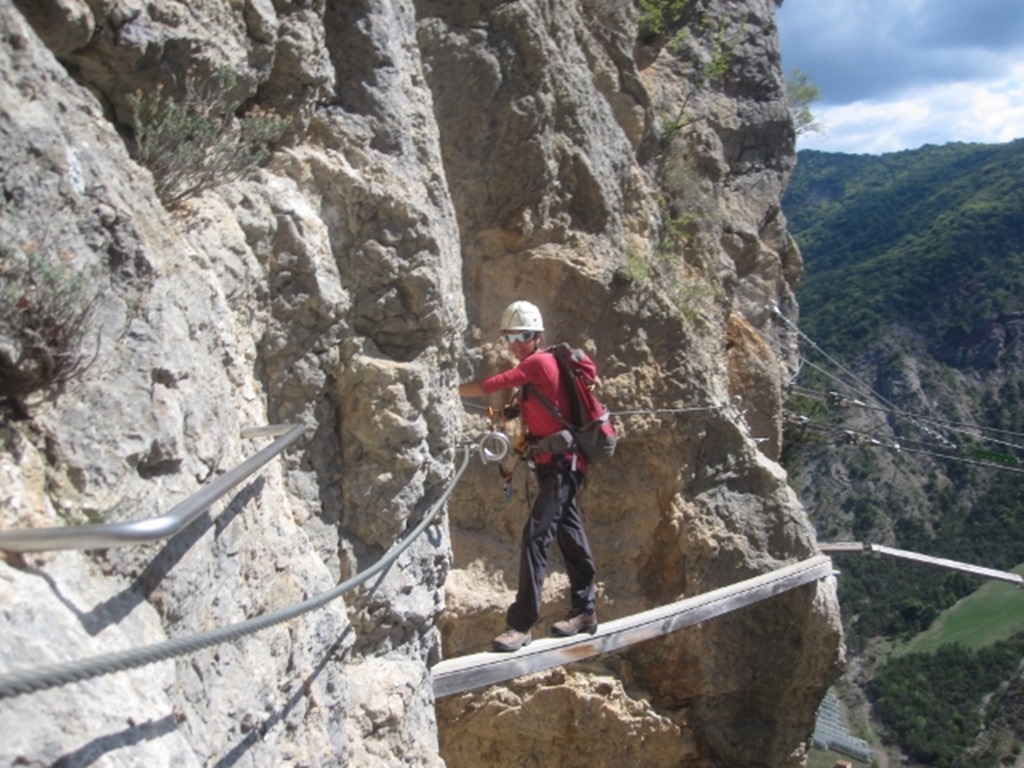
905,426
914,289
932,239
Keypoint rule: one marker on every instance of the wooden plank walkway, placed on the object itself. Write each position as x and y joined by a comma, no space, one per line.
842,547
857,548
478,670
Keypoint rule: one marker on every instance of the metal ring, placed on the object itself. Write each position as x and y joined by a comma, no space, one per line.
489,452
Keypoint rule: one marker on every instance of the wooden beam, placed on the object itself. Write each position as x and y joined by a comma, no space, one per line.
856,547
478,670
977,570
841,547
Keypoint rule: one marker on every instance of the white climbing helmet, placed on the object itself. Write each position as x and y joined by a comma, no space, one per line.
522,316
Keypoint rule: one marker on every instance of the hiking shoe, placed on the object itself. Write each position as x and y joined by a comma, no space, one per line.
573,625
511,640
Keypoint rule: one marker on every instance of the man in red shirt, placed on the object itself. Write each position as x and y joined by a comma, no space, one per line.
555,514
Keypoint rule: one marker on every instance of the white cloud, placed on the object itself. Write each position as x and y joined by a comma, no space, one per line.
986,113
897,75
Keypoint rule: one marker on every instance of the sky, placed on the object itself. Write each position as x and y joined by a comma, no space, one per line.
899,74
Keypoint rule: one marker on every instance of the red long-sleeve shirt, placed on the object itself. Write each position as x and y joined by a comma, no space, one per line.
540,370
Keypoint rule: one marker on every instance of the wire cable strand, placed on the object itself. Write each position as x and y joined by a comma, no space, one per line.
42,678
931,426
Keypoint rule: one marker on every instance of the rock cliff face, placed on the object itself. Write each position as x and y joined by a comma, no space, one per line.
444,157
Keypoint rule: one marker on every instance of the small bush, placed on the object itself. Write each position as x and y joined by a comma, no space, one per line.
198,143
692,297
45,315
663,17
636,268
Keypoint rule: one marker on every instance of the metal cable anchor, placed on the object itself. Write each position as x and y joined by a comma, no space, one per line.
493,446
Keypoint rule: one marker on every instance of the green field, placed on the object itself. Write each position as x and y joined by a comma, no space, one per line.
994,612
817,758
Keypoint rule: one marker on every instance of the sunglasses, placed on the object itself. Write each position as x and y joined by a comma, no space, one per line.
521,336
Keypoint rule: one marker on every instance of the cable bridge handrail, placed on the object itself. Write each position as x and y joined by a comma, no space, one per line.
102,535
492,447
857,547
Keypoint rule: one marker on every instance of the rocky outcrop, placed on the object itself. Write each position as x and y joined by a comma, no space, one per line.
989,345
443,158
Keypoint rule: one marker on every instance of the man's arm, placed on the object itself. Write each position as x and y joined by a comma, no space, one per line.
472,389
514,377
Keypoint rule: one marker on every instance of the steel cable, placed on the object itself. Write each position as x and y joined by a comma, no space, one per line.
42,678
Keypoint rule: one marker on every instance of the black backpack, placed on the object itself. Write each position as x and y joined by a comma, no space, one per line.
590,422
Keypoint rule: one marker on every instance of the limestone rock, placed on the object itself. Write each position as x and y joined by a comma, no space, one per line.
444,158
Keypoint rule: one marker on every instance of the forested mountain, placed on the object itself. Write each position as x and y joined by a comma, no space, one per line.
904,424
929,239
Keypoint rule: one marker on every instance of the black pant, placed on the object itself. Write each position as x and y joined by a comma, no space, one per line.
555,514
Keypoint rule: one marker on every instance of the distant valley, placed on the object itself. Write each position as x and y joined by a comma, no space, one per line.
905,424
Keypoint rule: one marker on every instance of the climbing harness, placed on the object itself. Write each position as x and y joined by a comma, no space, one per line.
496,418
